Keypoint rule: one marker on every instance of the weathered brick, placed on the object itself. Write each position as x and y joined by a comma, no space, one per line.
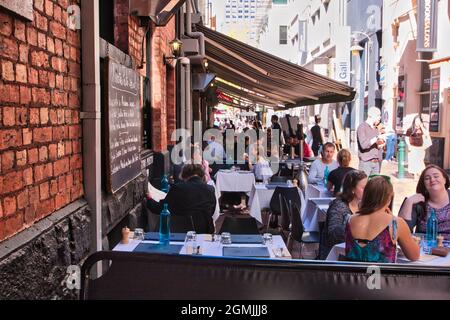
42,134
43,172
25,95
6,24
22,117
60,114
23,53
53,152
59,81
76,146
9,116
76,162
44,191
74,100
61,166
28,176
12,181
61,149
7,71
32,36
44,208
61,183
44,115
21,73
53,187
66,49
74,69
59,64
35,116
14,224
40,95
43,78
58,47
58,30
51,80
19,30
7,160
60,133
9,205
74,131
49,8
73,53
40,59
27,135
33,77
61,200
21,158
30,214
59,98
9,93
50,45
57,14
43,154
68,147
33,156
39,4
40,21
42,40
10,138
69,180
22,199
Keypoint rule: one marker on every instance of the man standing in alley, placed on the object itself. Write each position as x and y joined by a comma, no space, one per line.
370,143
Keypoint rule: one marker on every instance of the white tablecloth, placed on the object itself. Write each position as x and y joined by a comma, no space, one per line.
260,198
235,181
317,191
217,194
315,212
425,259
209,248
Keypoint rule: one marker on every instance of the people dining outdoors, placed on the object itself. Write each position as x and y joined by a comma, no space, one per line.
346,204
197,157
318,167
336,176
259,164
192,197
432,192
372,234
418,140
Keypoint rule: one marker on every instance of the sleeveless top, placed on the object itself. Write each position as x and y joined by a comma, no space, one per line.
382,249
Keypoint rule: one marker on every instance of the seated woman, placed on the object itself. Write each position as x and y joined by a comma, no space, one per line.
197,158
432,193
340,210
192,197
260,167
372,233
337,175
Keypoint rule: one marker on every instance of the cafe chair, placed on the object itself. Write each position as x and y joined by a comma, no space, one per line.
278,179
279,216
235,225
178,224
298,233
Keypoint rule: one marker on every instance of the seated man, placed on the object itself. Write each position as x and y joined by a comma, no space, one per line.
192,197
318,167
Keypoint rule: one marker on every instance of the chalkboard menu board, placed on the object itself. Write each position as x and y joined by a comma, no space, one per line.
435,103
123,125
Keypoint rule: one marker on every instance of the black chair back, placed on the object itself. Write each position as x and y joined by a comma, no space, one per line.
181,224
239,226
279,179
288,194
297,228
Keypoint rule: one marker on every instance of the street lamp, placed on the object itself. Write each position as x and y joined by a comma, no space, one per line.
175,46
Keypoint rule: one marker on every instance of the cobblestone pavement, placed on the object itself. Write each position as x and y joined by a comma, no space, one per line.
402,187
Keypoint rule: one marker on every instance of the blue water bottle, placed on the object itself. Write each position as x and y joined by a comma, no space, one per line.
164,225
432,226
165,184
325,176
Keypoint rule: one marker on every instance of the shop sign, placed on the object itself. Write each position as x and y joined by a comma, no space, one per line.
427,25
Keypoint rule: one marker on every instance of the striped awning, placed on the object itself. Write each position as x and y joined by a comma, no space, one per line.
265,79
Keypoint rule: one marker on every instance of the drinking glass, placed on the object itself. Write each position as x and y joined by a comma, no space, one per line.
191,242
267,238
225,238
139,234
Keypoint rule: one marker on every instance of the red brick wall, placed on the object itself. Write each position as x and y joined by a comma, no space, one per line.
40,129
163,98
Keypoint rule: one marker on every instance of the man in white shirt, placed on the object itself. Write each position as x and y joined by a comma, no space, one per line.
318,167
214,152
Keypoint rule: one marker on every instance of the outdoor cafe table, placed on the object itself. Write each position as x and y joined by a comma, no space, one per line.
234,181
260,197
315,212
317,191
211,248
425,259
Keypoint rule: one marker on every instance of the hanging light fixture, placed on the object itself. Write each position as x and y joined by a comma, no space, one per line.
175,46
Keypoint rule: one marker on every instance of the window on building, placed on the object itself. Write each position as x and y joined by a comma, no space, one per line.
107,20
283,34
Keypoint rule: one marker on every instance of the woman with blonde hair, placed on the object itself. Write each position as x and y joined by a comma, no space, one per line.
336,176
373,232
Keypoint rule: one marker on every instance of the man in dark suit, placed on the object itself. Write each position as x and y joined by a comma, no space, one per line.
191,197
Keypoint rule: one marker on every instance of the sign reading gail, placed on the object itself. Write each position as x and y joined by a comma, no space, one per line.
427,25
